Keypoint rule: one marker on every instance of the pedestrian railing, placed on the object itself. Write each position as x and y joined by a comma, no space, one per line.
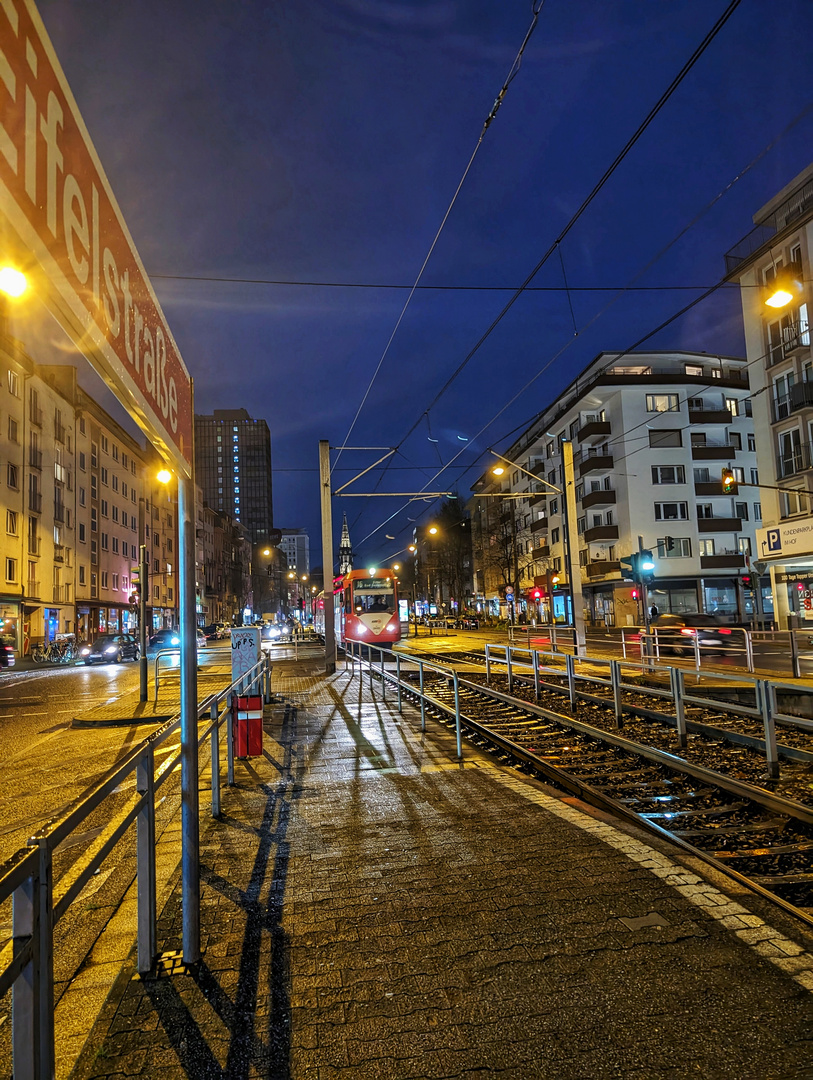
38,903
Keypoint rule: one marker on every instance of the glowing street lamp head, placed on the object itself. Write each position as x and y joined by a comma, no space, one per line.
266,551
371,571
396,566
412,548
498,470
12,282
433,529
163,476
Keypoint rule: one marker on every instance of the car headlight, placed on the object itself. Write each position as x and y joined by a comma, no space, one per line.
85,651
175,641
110,650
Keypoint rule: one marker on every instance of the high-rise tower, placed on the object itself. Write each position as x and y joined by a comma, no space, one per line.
233,467
345,549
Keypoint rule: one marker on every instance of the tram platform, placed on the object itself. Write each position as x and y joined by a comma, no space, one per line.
373,908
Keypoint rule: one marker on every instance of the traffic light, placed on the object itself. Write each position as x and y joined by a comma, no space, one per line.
669,543
536,594
729,483
552,580
640,566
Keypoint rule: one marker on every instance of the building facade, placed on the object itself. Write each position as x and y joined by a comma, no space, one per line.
651,434
233,468
776,253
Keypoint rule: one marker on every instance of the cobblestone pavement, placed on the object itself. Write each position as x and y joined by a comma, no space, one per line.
373,909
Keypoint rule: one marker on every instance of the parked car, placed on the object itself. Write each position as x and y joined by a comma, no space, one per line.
677,633
213,632
165,639
110,649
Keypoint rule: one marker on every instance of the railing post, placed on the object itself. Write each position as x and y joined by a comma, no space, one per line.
423,699
398,679
25,990
749,651
766,705
267,678
370,665
794,655
615,680
696,643
145,860
488,664
535,661
676,684
553,637
45,934
510,668
383,680
457,716
570,667
215,754
623,645
230,742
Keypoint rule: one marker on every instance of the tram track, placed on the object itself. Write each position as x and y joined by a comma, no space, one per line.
711,797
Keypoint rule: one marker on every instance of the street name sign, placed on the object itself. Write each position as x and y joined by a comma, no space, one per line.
61,223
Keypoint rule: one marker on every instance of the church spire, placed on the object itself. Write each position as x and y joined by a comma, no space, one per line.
345,549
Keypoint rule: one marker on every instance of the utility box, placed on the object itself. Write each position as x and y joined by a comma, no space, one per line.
245,650
247,719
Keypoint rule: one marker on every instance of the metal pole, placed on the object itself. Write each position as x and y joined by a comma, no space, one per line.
190,825
574,575
570,667
488,663
676,680
457,716
794,655
423,699
45,934
327,554
215,752
145,848
764,689
25,989
230,742
143,589
535,661
383,680
510,668
615,679
398,678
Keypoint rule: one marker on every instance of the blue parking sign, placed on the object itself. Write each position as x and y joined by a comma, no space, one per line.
774,540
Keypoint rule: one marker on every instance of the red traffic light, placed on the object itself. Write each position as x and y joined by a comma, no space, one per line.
634,594
536,594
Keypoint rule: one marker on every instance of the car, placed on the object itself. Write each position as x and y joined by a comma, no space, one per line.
7,657
213,632
110,649
677,633
166,639
201,637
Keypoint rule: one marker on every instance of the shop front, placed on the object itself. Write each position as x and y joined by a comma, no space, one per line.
95,619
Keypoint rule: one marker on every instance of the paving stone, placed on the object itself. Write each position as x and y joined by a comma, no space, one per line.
370,910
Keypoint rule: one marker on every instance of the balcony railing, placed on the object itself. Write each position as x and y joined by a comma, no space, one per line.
601,532
32,589
712,452
59,511
709,416
540,525
721,562
34,458
794,336
600,567
537,500
719,524
59,553
790,462
596,463
35,502
713,487
34,544
602,497
798,397
62,594
542,552
595,429
35,415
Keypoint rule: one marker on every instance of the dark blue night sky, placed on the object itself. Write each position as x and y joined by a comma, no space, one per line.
323,143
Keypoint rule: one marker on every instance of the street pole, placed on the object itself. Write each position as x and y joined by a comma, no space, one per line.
143,588
574,575
327,554
643,588
190,824
516,564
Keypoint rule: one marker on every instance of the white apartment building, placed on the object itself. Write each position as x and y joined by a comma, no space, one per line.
777,251
651,435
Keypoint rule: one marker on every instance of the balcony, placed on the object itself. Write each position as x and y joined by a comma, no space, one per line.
59,553
600,567
794,336
34,458
59,511
34,544
537,500
35,502
32,589
714,487
600,532
596,463
59,432
541,552
792,461
62,594
720,452
540,525
709,416
722,562
798,397
719,524
596,429
35,415
602,497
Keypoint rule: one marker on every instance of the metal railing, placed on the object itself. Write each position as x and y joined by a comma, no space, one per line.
27,964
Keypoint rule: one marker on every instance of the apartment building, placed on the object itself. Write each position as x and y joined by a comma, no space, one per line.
651,434
775,255
233,467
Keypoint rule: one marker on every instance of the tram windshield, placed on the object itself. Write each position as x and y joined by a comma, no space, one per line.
375,595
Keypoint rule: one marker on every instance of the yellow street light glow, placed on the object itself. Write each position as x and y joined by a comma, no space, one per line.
292,575
433,530
12,282
164,476
396,566
266,551
412,548
780,298
498,470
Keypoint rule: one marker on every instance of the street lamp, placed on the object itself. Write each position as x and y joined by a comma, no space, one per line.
568,514
784,287
12,282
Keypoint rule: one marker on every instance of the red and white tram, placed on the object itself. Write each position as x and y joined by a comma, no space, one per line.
365,608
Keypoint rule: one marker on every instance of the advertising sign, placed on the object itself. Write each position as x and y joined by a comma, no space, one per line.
787,540
60,221
245,650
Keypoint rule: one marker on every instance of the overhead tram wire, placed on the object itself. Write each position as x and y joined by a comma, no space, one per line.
536,7
608,172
